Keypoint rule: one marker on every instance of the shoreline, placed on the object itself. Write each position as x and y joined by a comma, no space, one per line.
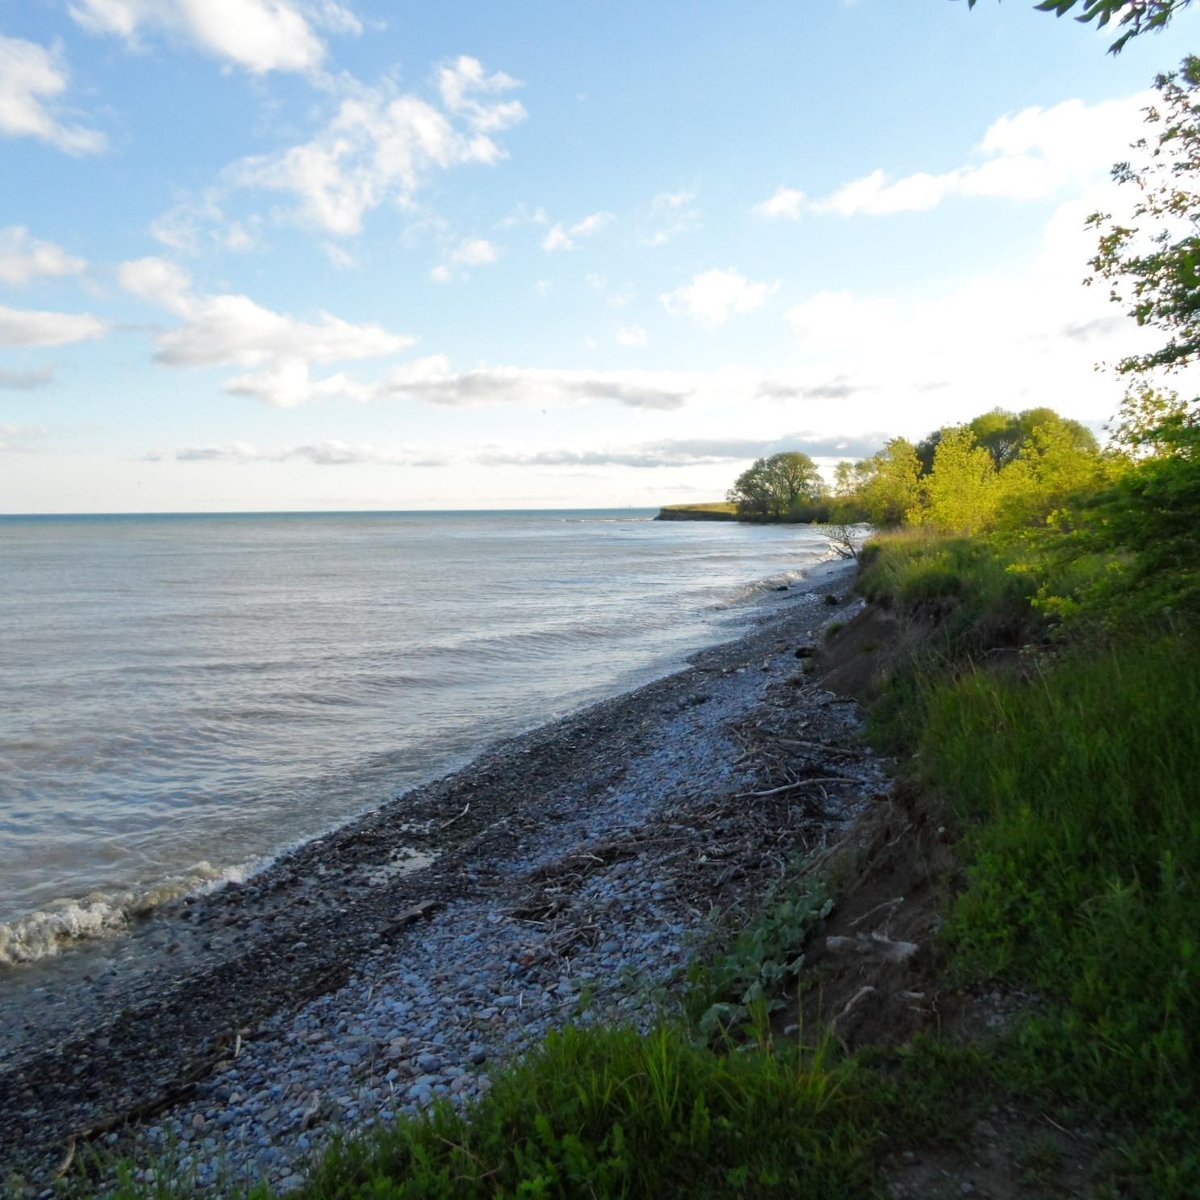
451,919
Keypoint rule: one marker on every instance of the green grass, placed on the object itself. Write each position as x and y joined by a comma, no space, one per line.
1072,776
1078,788
714,506
611,1112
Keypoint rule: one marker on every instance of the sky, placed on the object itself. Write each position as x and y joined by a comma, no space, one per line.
366,254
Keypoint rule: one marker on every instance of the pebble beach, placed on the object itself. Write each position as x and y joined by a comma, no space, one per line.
567,875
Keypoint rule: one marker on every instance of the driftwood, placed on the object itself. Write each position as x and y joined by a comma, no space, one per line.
873,945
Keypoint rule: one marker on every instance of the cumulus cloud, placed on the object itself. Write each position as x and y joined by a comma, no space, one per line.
565,237
18,437
462,83
669,215
688,452
786,203
259,35
27,327
714,296
32,82
840,388
25,381
24,258
632,337
475,252
379,147
278,350
1031,155
433,381
331,453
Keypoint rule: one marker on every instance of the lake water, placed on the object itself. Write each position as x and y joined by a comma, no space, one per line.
183,696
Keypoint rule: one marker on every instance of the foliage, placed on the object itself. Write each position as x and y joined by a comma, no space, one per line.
961,493
748,981
887,484
1136,17
1155,273
776,486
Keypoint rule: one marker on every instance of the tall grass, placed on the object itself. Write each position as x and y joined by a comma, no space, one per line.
614,1113
1083,787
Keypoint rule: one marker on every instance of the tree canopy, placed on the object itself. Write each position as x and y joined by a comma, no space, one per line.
1134,17
1152,265
776,486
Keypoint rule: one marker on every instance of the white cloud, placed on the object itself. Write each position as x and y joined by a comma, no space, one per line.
433,381
339,256
632,337
557,239
687,452
379,147
17,437
786,203
278,350
331,453
24,258
714,296
32,81
1028,333
461,82
1035,154
477,252
25,381
26,327
259,35
563,237
669,215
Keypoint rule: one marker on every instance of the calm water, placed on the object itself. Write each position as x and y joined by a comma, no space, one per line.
183,695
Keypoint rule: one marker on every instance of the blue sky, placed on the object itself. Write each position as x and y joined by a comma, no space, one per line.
339,254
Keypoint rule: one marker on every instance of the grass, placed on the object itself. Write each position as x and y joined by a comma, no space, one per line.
1078,790
1072,777
714,506
612,1112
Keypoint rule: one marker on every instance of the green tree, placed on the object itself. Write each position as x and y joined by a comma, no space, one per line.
776,486
961,494
1052,469
1133,16
891,483
1155,272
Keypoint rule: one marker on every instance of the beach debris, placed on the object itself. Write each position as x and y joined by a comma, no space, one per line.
67,1159
852,1004
309,1115
410,916
873,945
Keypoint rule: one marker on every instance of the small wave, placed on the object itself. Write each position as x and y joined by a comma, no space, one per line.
66,923
772,583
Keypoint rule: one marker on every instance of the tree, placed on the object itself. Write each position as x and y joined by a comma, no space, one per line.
1005,434
892,484
776,486
1134,16
1156,273
1052,468
961,493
